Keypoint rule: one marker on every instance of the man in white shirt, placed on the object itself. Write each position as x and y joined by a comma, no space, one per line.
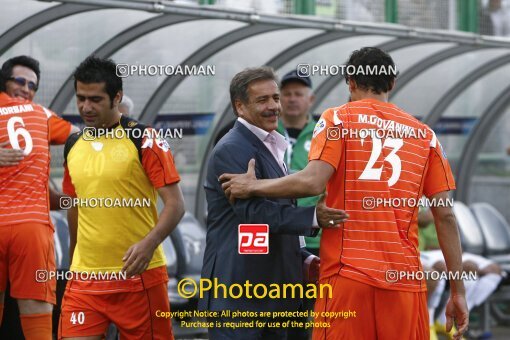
255,98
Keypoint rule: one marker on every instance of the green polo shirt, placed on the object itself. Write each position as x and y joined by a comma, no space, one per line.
427,238
297,160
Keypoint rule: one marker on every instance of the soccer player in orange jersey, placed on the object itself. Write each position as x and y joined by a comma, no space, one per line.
20,79
26,232
371,261
21,76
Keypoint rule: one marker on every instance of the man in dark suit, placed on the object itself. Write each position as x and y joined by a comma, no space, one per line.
255,98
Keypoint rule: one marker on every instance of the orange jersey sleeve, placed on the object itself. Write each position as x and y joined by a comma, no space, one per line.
327,144
59,129
158,162
439,175
67,184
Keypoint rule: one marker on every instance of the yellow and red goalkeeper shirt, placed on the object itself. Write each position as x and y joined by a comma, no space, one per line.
126,169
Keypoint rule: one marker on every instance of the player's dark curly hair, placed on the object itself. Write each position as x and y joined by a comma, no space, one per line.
372,57
99,70
21,60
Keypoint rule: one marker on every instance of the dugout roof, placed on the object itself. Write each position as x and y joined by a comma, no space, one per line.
450,80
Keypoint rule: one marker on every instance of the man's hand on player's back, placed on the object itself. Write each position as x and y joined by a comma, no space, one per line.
329,217
10,157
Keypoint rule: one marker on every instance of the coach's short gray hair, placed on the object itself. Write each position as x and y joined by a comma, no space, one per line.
241,81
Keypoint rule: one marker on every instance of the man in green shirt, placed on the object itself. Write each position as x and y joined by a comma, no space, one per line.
297,125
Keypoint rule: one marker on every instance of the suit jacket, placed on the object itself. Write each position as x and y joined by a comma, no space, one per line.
284,262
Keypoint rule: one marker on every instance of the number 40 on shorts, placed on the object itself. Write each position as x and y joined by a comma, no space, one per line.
77,318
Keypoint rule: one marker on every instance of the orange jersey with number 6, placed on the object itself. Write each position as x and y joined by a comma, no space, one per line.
24,187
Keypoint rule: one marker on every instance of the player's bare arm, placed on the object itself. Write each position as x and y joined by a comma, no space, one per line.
72,222
55,197
310,181
449,241
138,256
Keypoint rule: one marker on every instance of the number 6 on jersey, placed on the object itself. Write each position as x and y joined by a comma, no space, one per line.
14,133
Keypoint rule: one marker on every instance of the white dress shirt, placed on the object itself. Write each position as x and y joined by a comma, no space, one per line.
277,145
273,141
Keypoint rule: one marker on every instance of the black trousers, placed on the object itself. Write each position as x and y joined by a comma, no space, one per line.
247,333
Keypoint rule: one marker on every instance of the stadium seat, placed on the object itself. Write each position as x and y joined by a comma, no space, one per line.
485,232
496,232
471,236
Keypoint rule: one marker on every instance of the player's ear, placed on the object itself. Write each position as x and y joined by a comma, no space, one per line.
392,85
312,96
240,108
117,99
352,85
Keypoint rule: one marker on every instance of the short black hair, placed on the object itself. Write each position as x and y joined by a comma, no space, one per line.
21,60
239,84
99,70
372,56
